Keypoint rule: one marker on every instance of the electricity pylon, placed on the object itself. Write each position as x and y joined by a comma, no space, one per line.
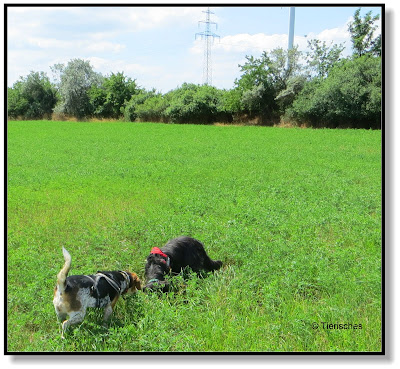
208,37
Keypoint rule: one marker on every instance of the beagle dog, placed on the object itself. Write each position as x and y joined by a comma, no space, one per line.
74,294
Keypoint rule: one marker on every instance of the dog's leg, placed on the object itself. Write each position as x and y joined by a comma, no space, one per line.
61,319
107,314
74,318
61,316
108,310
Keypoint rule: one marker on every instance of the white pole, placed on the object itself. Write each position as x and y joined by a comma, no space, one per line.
291,34
291,27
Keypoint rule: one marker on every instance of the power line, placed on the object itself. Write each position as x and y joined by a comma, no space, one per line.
208,37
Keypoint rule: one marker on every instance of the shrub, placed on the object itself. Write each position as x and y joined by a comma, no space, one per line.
349,97
194,104
130,109
32,97
17,104
152,109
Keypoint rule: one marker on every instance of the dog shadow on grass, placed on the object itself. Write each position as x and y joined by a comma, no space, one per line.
131,310
128,311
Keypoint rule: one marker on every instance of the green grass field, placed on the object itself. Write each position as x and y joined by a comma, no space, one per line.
294,214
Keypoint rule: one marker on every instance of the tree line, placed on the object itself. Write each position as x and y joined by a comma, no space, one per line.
317,88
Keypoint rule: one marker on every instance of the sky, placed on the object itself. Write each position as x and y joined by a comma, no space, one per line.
157,45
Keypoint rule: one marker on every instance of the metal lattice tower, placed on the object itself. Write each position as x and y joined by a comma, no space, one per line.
208,38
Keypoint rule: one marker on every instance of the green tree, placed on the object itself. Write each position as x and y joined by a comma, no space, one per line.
294,86
108,99
119,89
263,79
17,104
75,80
97,98
322,57
130,107
231,102
194,104
350,96
153,109
32,97
362,34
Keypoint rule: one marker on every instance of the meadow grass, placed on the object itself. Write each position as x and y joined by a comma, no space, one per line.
294,214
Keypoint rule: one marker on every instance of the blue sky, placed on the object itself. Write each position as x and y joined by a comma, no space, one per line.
157,45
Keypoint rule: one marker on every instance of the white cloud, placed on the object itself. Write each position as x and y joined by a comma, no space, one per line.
77,46
104,46
18,31
98,33
245,42
134,19
16,66
154,17
148,76
35,22
107,66
257,43
338,35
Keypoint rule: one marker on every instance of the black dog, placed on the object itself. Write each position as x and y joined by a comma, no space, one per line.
177,254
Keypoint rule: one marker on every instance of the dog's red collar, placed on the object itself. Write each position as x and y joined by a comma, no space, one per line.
157,250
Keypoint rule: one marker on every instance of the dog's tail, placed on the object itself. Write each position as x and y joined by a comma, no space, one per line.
212,264
62,276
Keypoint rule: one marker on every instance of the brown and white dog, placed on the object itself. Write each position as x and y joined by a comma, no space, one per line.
74,294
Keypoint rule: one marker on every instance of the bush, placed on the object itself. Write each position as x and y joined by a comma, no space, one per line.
349,97
130,109
17,104
32,97
195,104
152,109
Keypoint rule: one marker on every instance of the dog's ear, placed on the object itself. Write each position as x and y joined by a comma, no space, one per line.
135,282
151,258
156,259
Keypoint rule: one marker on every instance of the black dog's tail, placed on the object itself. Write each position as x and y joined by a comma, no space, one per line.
212,265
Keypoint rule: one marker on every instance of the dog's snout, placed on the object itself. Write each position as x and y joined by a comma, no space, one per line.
156,286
